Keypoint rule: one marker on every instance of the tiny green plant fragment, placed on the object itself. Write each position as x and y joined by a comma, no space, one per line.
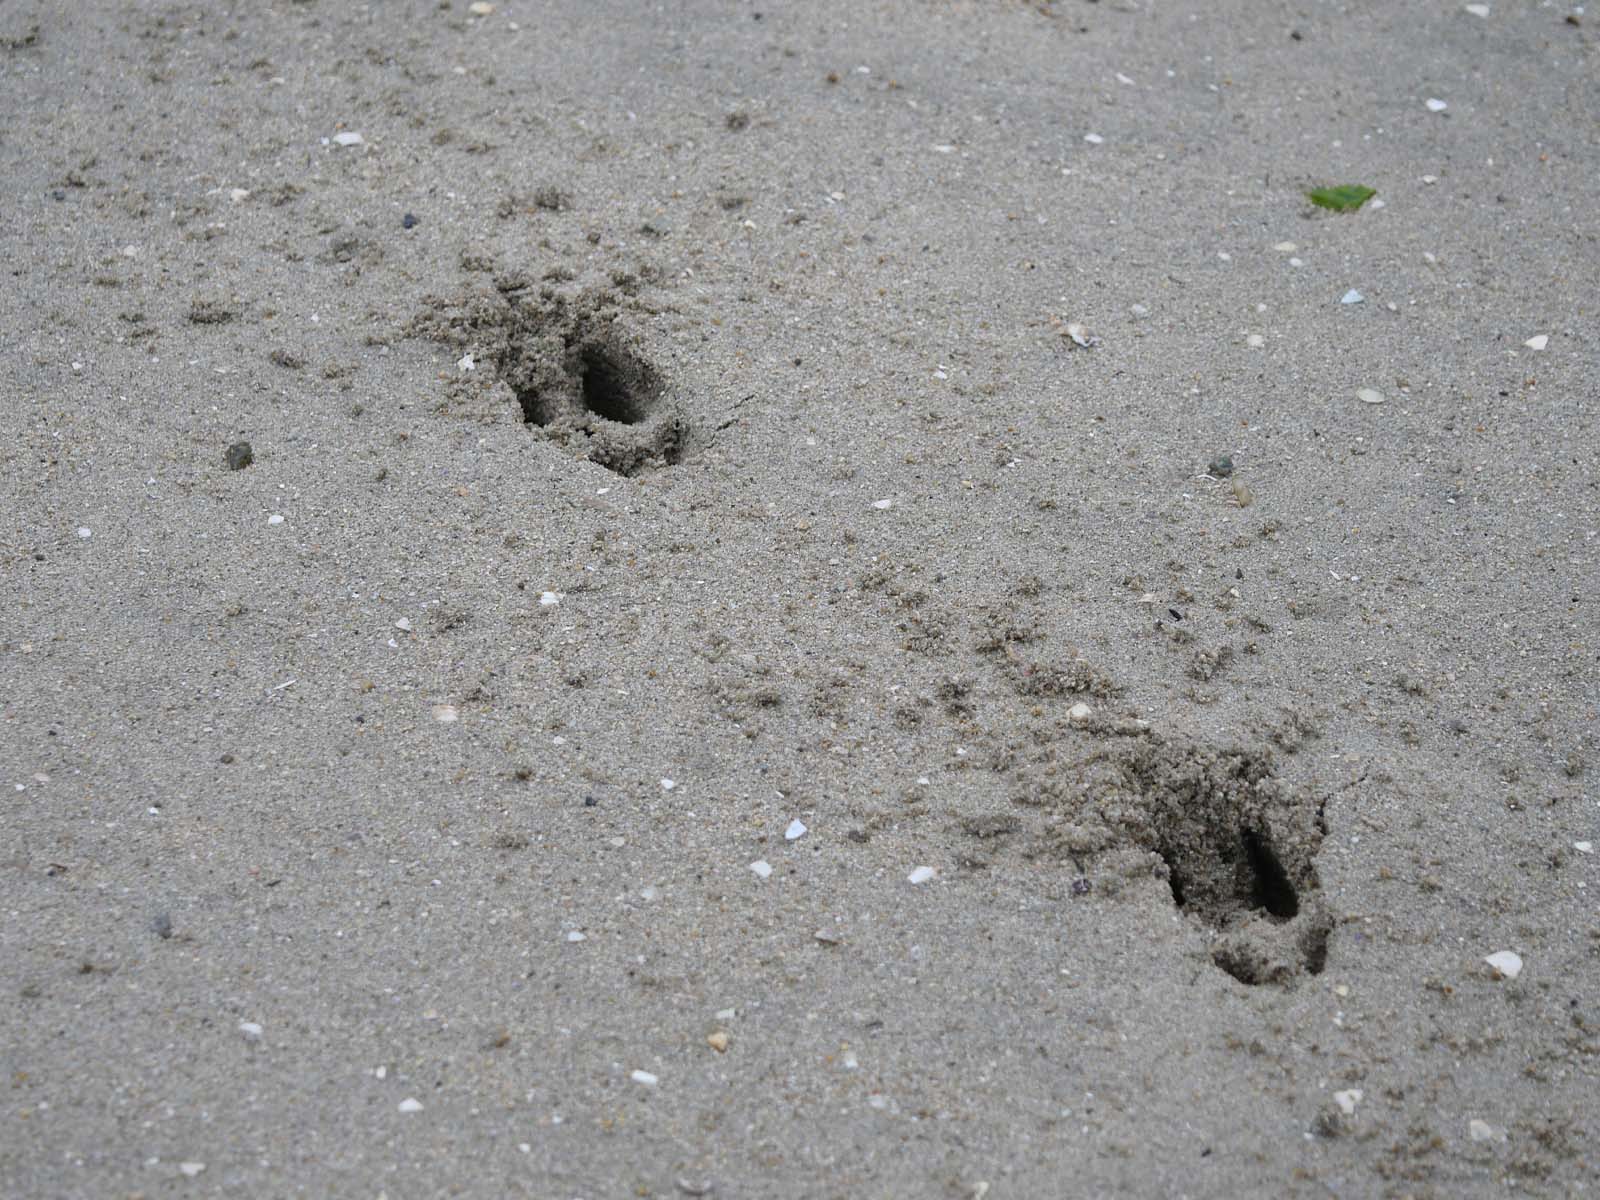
1347,197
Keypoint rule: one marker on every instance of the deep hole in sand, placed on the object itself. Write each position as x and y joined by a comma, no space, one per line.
616,385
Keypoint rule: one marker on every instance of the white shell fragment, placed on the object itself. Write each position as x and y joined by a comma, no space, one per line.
577,935
250,1030
466,363
761,867
446,714
668,784
547,599
1352,297
1347,1101
410,1105
191,1169
1583,847
1538,341
1094,139
797,829
1507,964
883,504
1478,10
480,8
1080,335
1370,396
1436,105
645,1078
274,519
1480,1130
920,875
348,138
403,625
1079,713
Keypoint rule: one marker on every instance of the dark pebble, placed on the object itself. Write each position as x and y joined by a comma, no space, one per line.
227,758
162,925
1457,725
239,456
1221,466
590,801
1081,886
408,221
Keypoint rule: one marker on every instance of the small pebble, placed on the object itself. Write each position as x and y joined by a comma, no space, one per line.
1352,297
85,532
1538,341
1221,466
1479,1130
1286,247
668,784
1583,847
250,1030
275,519
1478,10
827,937
797,829
645,1077
162,925
466,363
1436,105
348,138
1506,964
1094,139
409,221
883,504
920,875
577,936
1079,713
410,1105
1255,341
445,714
1242,494
761,867
191,1169
403,625
1347,1101
1080,335
546,599
480,8
718,1041
1370,396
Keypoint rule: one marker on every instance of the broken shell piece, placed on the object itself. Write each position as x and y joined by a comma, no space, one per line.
1079,335
1079,713
1538,341
1370,396
1506,964
920,875
1347,1101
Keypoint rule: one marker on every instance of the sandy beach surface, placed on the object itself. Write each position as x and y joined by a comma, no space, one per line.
832,599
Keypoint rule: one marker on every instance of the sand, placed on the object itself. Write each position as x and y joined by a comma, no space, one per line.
734,663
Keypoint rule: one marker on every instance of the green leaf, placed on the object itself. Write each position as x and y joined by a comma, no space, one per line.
1347,197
